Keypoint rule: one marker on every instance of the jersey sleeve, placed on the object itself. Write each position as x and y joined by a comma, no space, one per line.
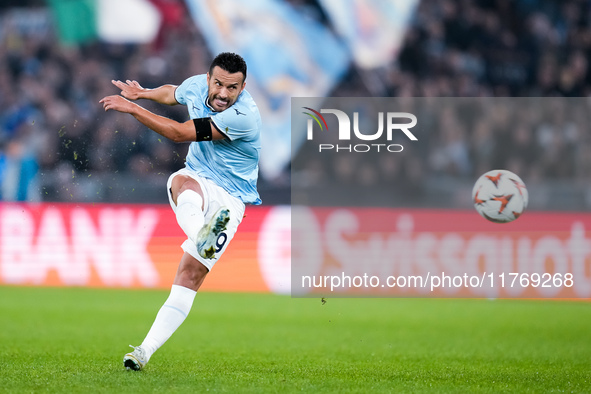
180,94
236,123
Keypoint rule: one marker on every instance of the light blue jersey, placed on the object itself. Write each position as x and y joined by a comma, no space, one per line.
232,163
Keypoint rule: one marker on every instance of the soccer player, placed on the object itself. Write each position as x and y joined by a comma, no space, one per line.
209,195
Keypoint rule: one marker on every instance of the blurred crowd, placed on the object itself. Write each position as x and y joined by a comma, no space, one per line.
497,48
485,48
542,139
57,143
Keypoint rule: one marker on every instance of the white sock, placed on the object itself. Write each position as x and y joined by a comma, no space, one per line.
169,318
189,214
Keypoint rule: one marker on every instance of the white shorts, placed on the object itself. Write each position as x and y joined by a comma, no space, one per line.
213,198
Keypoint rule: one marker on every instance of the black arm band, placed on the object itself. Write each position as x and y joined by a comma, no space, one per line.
202,129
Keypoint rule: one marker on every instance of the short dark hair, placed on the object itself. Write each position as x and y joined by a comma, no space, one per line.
230,62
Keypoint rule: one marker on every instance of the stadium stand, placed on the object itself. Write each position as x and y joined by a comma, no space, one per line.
58,145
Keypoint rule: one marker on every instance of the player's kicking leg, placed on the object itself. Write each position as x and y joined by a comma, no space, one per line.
187,200
207,236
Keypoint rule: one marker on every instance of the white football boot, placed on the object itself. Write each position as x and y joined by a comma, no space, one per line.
135,360
209,233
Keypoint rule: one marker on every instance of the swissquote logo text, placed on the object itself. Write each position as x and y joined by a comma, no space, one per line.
344,132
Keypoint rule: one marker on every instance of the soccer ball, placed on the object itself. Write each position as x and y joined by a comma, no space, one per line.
500,196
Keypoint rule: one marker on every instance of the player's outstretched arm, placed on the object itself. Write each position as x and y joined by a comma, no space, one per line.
132,90
171,129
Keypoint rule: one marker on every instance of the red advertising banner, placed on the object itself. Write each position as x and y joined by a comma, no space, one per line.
121,246
439,253
308,251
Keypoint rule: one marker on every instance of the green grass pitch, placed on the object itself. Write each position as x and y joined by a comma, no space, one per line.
73,340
